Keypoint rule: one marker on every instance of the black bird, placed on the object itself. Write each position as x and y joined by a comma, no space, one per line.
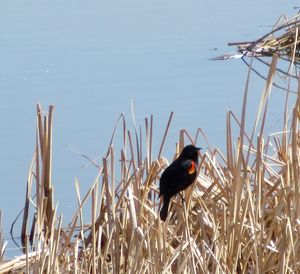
178,176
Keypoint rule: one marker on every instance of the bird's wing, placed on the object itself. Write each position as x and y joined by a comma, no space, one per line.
168,177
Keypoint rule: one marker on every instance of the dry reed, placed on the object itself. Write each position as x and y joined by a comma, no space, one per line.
240,216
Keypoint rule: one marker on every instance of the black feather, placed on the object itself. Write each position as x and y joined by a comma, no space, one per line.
178,176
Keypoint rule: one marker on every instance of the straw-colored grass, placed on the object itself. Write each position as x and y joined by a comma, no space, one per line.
283,41
240,216
2,240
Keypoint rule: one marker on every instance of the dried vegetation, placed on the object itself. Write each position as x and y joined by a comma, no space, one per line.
242,215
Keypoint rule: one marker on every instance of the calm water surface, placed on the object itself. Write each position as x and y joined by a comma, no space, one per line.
91,58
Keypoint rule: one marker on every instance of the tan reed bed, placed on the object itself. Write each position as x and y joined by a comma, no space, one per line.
240,216
283,41
2,240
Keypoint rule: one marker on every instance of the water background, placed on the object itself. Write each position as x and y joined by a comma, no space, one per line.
91,58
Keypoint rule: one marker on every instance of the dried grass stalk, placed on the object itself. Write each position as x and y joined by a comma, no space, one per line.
240,216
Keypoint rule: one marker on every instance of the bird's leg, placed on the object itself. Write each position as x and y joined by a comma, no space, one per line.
182,198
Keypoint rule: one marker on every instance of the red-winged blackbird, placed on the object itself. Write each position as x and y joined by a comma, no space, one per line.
178,176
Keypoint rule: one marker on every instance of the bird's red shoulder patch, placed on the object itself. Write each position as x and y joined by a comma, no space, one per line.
192,168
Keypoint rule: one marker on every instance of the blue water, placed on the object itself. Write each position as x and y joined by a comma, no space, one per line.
91,58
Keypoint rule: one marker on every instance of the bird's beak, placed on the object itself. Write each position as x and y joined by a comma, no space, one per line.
198,148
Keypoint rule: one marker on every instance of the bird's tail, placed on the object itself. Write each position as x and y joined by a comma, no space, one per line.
164,209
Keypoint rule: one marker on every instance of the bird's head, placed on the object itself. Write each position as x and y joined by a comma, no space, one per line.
190,152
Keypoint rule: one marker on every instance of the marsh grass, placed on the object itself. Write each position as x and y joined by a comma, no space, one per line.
240,216
283,41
